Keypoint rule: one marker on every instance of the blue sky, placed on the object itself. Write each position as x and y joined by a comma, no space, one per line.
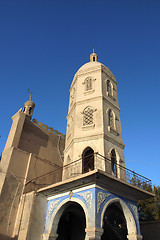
44,43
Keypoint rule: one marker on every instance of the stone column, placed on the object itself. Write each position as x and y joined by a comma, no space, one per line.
94,233
134,237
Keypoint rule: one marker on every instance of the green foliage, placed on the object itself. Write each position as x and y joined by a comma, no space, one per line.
149,209
141,183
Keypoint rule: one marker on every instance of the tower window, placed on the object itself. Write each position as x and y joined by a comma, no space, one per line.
30,110
113,163
87,160
94,59
111,119
88,116
88,84
109,89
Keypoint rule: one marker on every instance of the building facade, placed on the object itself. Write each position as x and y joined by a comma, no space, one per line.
85,194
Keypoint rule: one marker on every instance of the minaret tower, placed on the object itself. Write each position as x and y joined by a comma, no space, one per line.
93,121
97,197
29,106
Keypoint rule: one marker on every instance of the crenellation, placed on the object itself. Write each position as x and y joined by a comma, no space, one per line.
49,129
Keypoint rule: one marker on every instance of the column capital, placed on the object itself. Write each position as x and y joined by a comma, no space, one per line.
94,233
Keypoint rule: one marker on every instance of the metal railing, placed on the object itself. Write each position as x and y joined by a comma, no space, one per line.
92,162
125,174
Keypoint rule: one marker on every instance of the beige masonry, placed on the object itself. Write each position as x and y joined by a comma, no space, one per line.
32,171
32,150
93,90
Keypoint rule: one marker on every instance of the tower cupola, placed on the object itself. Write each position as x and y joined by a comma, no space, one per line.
29,106
93,57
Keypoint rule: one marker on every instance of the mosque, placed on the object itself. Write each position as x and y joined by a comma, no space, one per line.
73,187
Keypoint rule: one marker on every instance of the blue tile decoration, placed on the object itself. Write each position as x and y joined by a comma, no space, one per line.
93,200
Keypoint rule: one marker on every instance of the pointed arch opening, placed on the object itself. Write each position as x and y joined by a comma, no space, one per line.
72,223
113,162
109,88
111,119
88,84
87,160
69,222
114,223
118,221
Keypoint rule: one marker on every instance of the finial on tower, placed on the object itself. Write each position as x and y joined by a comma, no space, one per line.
93,56
29,94
29,106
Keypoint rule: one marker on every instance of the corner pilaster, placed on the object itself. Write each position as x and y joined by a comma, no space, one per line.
16,130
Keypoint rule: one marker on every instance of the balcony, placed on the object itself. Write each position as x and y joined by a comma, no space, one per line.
105,164
93,162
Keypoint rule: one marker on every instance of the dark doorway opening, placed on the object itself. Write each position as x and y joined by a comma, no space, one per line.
72,223
87,160
113,163
114,223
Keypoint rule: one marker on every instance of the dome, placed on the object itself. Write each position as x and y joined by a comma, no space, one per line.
90,65
29,103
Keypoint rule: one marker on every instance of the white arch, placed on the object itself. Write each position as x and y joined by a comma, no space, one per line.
130,221
59,211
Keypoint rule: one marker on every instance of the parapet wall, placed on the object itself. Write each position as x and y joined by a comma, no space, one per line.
32,154
43,141
50,129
